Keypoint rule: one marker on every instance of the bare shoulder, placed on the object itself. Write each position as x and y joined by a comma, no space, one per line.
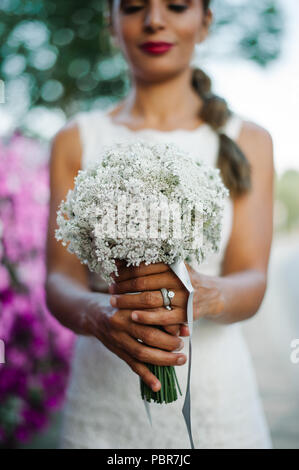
66,145
257,144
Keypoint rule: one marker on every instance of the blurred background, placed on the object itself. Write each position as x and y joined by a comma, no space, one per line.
56,58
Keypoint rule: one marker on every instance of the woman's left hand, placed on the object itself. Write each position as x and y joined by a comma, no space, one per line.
148,304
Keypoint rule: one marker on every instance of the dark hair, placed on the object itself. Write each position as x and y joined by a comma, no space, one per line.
233,164
234,167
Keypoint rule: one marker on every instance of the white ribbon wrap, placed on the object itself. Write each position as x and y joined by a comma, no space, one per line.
179,268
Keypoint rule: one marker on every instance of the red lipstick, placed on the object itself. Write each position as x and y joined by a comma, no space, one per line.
156,47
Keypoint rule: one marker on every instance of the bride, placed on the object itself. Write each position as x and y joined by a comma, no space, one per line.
168,101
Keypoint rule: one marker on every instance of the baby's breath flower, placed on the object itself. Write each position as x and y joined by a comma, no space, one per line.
150,174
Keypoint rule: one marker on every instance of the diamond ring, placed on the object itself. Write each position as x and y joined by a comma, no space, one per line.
167,295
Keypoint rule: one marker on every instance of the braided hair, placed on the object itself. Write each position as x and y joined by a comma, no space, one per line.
233,164
234,167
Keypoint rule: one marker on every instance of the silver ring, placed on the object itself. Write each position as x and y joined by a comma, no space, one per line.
167,295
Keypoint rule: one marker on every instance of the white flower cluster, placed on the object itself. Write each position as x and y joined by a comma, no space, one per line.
119,208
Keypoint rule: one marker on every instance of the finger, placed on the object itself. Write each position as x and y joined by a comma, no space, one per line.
153,336
160,316
144,353
140,369
172,329
184,330
153,282
111,287
147,376
129,272
147,299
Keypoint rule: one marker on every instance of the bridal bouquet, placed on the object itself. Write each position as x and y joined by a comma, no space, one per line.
143,202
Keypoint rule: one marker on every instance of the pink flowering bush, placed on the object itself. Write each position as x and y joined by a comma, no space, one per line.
37,348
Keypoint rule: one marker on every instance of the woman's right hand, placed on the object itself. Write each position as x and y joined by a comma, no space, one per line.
119,333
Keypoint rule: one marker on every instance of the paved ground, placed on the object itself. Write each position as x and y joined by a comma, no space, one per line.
269,335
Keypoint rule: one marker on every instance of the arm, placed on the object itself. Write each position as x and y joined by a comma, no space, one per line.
238,292
67,292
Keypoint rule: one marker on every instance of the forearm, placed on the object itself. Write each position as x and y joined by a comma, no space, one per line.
70,301
230,298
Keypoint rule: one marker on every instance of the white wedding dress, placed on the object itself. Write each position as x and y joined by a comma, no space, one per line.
103,406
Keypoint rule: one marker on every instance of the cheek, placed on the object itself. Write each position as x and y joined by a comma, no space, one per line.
187,31
127,33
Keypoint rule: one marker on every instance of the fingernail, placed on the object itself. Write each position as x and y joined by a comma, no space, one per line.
181,360
180,346
155,386
113,301
134,316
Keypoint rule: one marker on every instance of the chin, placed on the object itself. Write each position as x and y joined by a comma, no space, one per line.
157,70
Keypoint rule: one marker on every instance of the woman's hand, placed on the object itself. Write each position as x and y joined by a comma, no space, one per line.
208,297
119,333
147,307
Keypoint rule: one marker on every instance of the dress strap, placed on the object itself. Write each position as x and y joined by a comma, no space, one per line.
89,124
233,126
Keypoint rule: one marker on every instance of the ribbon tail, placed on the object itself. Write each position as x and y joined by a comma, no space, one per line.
179,268
187,403
148,411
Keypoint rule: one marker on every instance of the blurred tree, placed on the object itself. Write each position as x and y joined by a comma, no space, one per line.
60,55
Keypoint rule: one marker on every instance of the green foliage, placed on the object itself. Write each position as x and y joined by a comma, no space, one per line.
61,54
256,27
60,50
287,195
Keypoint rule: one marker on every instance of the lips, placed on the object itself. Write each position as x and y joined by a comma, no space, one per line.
156,47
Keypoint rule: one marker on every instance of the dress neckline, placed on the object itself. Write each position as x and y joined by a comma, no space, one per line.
145,130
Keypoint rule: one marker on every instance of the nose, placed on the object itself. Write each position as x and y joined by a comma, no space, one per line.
154,18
